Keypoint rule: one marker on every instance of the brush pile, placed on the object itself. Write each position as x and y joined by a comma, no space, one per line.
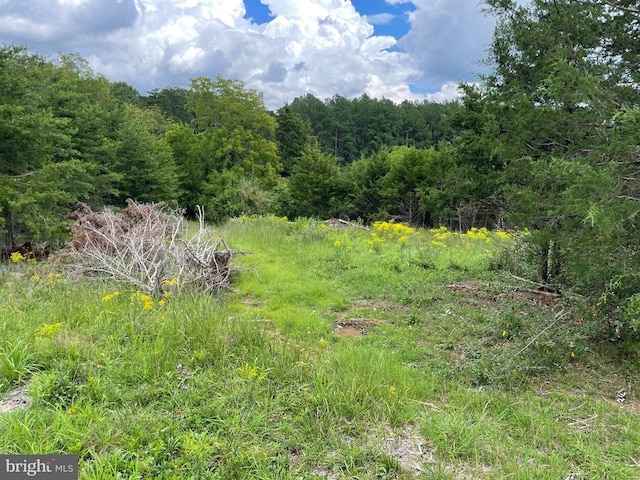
146,245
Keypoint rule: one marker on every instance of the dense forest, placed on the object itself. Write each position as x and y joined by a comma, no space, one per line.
549,140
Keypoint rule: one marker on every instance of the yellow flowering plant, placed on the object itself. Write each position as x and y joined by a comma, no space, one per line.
17,257
48,329
111,296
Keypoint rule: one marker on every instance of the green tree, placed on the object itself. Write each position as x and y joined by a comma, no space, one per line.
314,186
235,127
230,142
410,185
172,102
365,180
125,93
39,174
87,103
144,158
293,135
191,165
549,131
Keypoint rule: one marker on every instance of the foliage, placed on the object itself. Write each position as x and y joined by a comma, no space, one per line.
543,130
39,175
412,189
235,126
69,136
293,136
172,102
126,93
144,158
231,137
363,126
364,197
314,185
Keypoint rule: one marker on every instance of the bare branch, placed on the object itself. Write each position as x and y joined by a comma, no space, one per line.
145,245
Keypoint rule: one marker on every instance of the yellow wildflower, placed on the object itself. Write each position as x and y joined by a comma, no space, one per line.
35,277
48,329
439,231
111,296
375,238
393,230
17,257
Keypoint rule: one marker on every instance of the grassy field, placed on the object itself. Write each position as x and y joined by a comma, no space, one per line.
343,353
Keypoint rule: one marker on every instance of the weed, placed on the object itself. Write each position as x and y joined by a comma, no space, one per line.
17,362
492,380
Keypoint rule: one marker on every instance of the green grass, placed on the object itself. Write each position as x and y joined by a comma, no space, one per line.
449,371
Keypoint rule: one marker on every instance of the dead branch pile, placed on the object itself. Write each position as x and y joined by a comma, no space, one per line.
146,245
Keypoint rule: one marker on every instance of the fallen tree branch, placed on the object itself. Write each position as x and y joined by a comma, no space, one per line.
146,245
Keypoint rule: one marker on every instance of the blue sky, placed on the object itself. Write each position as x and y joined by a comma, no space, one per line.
396,49
386,19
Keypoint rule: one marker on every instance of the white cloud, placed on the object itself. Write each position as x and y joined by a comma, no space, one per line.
74,3
380,18
448,38
323,47
448,92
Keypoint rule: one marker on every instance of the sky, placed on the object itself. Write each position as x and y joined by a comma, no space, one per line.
395,49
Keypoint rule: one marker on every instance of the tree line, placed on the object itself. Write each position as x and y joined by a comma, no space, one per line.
548,140
69,135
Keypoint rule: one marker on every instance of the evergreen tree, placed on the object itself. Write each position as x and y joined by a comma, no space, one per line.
314,186
144,158
293,135
40,175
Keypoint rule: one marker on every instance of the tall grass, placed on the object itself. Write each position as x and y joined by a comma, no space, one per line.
263,382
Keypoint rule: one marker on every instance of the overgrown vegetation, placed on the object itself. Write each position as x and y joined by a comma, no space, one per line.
546,141
389,352
545,147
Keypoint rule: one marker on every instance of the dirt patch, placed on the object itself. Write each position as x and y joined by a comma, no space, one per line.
408,449
323,472
483,296
355,327
360,317
16,399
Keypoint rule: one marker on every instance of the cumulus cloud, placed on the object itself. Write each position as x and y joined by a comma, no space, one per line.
454,30
448,92
321,47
